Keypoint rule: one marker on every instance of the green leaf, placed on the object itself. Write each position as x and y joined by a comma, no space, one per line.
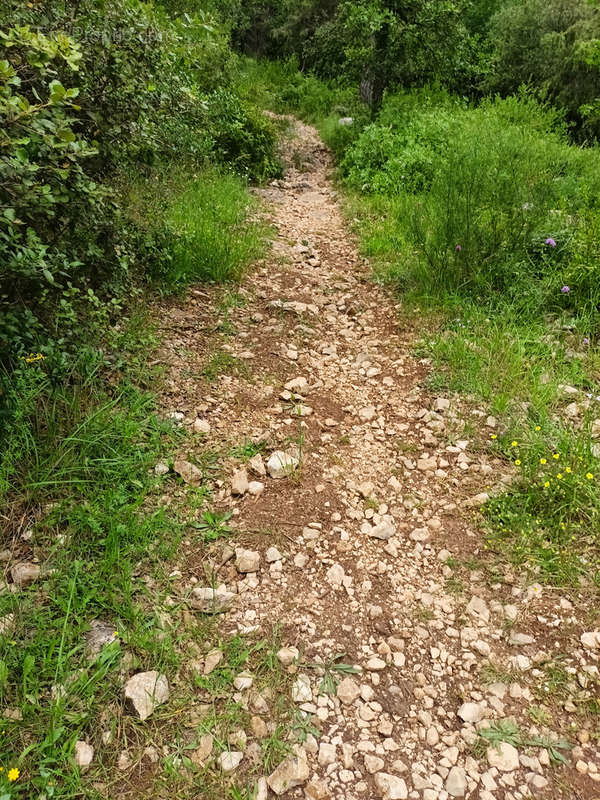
49,277
57,92
65,135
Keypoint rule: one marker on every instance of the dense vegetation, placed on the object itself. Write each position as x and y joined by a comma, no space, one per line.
129,132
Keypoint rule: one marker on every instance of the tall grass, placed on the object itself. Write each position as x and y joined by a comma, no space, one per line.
208,221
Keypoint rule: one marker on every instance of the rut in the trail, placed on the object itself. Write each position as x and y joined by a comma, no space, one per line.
370,532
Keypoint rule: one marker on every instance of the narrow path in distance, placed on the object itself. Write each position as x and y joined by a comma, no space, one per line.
366,547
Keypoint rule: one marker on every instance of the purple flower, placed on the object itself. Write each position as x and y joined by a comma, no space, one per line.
586,340
550,241
565,290
458,248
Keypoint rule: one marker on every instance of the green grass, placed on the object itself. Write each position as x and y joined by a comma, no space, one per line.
207,221
75,475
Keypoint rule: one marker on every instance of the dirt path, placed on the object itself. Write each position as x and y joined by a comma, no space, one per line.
372,552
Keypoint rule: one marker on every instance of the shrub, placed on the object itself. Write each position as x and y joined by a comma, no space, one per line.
241,137
402,150
56,221
491,201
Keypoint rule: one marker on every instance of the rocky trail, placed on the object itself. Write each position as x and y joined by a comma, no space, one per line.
353,490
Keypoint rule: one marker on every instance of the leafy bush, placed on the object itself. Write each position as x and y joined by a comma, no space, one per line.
125,85
56,221
241,136
490,200
401,151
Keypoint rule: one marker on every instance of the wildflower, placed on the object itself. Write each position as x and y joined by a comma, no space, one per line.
589,476
33,357
565,289
518,462
550,241
559,476
458,248
543,461
13,774
538,427
547,484
568,470
514,444
556,456
493,436
586,340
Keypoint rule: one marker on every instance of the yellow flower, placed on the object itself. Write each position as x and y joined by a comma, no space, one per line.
589,476
514,444
559,476
493,436
518,462
556,456
547,484
538,427
13,774
568,470
543,461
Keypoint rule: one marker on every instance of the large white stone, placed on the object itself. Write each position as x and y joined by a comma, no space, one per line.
146,691
390,787
503,756
281,464
290,773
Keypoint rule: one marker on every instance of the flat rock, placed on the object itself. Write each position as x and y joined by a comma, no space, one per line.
456,782
212,601
257,465
348,691
239,482
591,640
301,690
84,755
503,756
230,760
99,635
292,772
390,787
477,608
247,560
384,530
298,386
146,691
201,426
190,473
203,752
470,712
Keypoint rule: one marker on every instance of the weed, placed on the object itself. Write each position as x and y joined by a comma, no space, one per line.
244,452
508,731
333,670
540,715
213,525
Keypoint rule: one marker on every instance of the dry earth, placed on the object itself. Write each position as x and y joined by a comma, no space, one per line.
368,546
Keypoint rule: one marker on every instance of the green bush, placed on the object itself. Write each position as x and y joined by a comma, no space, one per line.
481,195
126,85
241,136
402,150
